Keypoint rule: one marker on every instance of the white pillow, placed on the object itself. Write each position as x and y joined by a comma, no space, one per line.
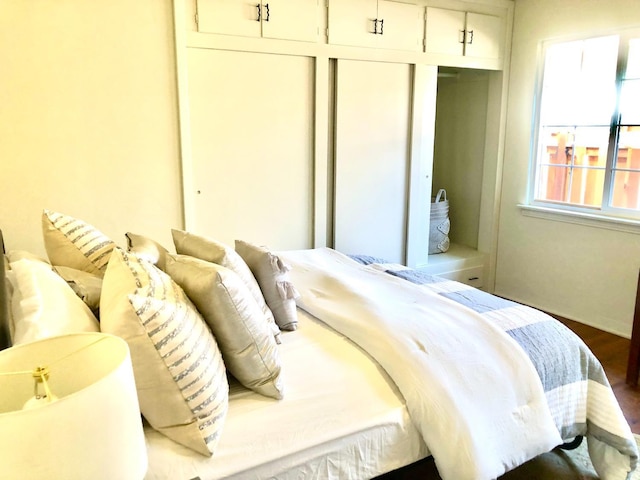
44,305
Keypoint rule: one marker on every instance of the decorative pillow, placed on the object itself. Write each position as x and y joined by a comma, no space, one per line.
180,376
273,277
216,252
74,243
43,305
237,322
147,248
87,286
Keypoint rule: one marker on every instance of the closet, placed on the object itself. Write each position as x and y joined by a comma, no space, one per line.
333,127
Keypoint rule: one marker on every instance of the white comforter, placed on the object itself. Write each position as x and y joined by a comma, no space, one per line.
472,392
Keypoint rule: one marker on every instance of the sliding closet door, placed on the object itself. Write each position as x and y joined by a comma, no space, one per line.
251,120
372,158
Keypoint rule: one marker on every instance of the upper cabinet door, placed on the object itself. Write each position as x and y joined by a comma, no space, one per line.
399,26
375,24
444,31
484,36
281,19
290,19
229,17
453,32
353,22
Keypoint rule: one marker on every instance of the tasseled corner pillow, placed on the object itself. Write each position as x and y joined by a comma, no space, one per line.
215,252
147,248
273,277
180,375
248,347
71,242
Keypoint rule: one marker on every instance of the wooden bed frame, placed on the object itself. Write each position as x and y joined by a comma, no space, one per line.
633,366
5,338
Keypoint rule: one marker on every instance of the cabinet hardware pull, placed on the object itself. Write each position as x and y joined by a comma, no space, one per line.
461,36
375,26
470,32
471,279
259,13
382,27
266,5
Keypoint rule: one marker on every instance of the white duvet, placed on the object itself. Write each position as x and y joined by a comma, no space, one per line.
472,392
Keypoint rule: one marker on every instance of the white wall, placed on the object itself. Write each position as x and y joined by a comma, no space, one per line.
88,117
585,273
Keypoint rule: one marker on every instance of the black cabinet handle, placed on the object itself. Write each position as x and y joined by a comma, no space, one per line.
259,13
470,32
382,27
266,5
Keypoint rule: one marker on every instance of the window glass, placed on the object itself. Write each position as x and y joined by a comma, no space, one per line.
588,126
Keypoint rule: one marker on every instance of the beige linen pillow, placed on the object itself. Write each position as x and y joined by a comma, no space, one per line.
180,376
74,243
216,252
87,286
237,322
147,248
273,277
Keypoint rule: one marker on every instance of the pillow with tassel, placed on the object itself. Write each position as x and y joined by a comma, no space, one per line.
273,278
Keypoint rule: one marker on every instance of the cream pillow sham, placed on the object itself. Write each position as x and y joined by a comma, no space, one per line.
215,252
74,243
273,277
248,347
179,372
44,305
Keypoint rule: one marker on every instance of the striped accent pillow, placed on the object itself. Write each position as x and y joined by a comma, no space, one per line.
180,375
71,242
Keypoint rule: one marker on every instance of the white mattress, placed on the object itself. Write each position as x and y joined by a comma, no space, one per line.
341,418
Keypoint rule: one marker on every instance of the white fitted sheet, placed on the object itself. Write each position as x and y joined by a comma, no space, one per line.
341,418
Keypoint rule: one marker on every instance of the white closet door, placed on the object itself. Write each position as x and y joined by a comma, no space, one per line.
371,155
251,120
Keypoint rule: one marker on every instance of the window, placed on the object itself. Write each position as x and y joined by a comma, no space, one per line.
587,154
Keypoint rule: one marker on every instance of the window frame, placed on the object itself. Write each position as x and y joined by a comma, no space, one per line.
604,214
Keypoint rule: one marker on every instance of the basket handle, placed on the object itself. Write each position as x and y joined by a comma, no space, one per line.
441,192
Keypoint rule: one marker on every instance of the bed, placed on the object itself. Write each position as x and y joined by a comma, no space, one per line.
376,366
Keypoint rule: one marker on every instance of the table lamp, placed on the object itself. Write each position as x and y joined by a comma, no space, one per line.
69,410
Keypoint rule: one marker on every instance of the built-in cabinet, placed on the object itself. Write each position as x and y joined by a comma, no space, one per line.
281,19
461,33
338,138
376,24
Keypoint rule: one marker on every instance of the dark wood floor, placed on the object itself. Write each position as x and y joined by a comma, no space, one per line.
613,352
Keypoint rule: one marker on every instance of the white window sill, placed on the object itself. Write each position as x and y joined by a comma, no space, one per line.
609,222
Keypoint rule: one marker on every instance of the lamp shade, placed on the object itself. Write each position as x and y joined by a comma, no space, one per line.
92,431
